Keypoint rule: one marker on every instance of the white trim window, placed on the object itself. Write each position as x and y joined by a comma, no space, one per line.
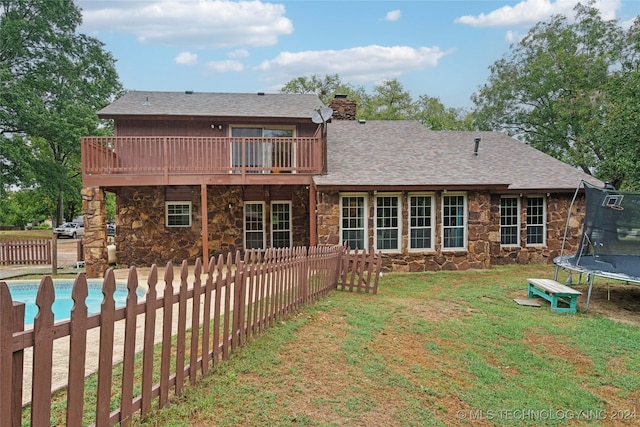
177,214
353,221
510,221
536,221
388,223
281,224
454,221
421,214
254,230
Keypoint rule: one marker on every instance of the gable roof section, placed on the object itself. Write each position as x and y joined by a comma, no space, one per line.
134,103
406,153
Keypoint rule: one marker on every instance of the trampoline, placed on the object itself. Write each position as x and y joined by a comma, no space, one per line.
610,242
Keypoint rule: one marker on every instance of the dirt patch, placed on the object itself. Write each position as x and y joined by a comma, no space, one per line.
437,311
335,383
619,302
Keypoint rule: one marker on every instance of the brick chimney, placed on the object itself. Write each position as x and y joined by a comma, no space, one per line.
343,108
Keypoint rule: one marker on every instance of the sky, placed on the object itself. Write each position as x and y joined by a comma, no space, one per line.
440,49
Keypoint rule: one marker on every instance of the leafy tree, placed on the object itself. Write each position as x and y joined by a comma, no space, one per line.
620,132
551,90
389,101
23,207
433,114
326,88
54,80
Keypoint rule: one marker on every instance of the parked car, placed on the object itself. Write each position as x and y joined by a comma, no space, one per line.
111,230
69,229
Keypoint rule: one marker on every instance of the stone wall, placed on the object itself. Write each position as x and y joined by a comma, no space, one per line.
343,108
483,249
142,238
94,208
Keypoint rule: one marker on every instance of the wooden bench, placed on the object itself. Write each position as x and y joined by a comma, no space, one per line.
553,292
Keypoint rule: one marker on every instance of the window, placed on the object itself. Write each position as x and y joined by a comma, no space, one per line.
353,222
387,223
536,214
254,225
177,214
509,221
281,224
420,219
454,221
260,154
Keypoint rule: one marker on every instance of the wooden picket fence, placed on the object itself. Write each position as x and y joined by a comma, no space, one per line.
25,252
360,271
239,300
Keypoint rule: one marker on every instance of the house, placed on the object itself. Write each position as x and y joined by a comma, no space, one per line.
201,174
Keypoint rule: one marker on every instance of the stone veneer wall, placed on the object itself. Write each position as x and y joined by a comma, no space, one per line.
484,248
94,208
142,239
343,108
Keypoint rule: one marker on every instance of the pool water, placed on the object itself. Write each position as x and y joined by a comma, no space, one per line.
26,291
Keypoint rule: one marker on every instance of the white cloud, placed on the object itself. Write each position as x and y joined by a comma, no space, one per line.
238,53
357,65
193,24
224,66
529,12
186,58
512,36
393,15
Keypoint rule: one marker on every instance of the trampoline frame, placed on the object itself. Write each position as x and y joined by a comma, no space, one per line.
563,262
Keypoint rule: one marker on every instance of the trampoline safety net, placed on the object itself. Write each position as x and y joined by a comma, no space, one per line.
610,240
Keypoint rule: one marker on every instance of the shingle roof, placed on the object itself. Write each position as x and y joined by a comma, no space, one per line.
278,105
405,153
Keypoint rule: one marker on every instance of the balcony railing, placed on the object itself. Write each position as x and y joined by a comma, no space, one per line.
173,156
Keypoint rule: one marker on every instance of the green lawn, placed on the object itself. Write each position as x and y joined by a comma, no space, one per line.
430,349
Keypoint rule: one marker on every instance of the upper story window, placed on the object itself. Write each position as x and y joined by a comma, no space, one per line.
536,220
177,214
454,221
509,221
262,155
387,221
421,208
353,221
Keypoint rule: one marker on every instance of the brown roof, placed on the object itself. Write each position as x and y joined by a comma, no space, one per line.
278,105
406,153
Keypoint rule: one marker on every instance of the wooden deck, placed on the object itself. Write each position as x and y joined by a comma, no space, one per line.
171,160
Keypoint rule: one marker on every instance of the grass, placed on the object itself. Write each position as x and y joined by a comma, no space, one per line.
431,349
13,235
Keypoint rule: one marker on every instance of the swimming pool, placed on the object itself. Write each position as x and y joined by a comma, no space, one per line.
26,291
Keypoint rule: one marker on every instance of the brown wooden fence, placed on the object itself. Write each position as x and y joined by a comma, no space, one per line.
25,252
238,300
360,271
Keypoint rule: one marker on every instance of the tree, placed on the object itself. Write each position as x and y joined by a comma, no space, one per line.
620,132
551,89
23,207
389,102
54,80
326,88
433,114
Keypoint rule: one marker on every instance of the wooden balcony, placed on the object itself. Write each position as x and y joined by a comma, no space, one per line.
171,160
